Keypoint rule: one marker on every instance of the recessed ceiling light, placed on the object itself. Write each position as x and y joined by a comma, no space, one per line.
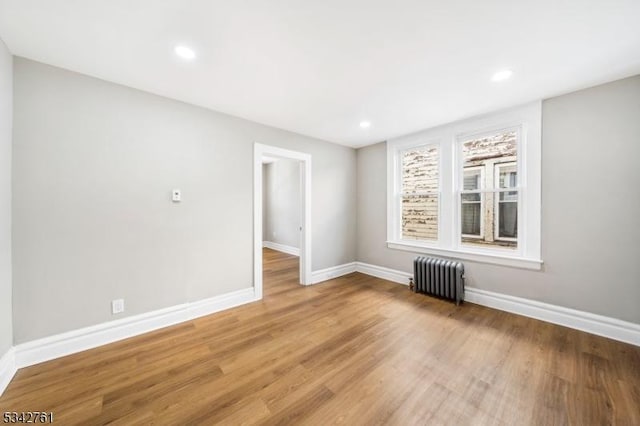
502,75
365,124
185,52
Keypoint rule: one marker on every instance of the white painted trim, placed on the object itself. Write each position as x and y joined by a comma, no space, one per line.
63,344
295,251
56,346
600,325
591,323
259,151
221,302
528,119
384,273
7,369
332,272
490,258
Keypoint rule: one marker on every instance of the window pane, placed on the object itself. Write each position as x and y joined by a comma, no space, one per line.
491,221
420,217
508,220
509,196
507,176
471,218
471,198
471,214
491,218
420,170
471,180
486,151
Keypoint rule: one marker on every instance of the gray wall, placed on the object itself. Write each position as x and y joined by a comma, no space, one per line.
282,206
590,207
94,165
6,107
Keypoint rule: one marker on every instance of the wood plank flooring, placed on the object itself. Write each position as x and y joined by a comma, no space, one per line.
355,350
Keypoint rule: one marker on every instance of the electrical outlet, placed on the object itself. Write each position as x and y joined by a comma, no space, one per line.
117,306
176,197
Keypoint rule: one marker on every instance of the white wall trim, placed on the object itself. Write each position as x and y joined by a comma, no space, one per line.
59,345
494,258
259,151
71,342
600,325
384,273
282,248
332,272
591,323
7,369
221,302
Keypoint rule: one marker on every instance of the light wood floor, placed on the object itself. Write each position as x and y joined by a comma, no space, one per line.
356,351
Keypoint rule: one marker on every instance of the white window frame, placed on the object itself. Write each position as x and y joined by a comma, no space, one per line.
488,131
496,208
527,119
479,191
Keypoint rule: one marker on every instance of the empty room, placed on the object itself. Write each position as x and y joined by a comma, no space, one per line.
320,212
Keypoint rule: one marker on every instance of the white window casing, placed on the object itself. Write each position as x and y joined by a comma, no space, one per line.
526,120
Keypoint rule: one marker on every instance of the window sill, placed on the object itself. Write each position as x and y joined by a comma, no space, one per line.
492,259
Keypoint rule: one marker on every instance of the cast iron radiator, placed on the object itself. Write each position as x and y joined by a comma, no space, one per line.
439,277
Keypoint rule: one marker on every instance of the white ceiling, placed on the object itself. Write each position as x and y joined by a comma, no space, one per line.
319,67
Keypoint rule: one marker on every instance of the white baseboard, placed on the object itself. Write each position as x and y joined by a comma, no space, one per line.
56,346
222,302
591,323
600,325
384,273
332,272
59,345
7,369
281,247
373,270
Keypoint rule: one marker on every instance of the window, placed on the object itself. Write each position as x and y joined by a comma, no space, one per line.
489,213
462,190
420,192
471,199
507,203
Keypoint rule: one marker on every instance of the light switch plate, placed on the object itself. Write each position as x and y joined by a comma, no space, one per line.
117,306
175,195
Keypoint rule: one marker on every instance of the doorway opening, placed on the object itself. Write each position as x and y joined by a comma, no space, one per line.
302,162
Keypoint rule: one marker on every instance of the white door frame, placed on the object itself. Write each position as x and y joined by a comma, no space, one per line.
305,240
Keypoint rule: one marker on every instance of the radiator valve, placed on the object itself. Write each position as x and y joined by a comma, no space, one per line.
411,285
